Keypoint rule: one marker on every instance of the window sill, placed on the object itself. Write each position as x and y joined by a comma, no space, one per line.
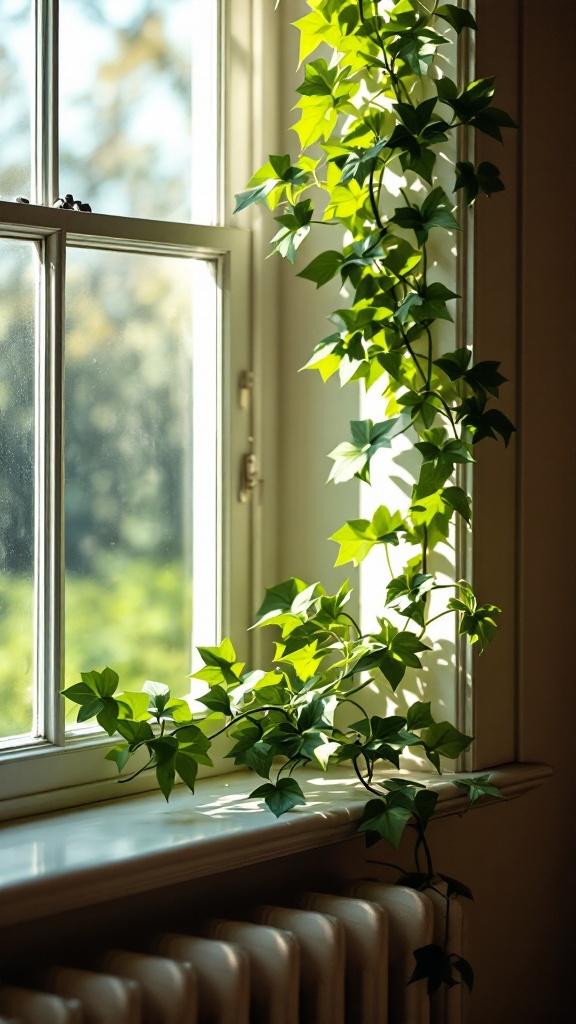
77,858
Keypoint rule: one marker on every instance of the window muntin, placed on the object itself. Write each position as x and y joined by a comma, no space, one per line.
17,433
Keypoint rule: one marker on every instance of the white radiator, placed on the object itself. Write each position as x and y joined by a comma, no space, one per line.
342,959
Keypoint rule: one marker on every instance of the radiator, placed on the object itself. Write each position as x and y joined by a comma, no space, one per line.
334,959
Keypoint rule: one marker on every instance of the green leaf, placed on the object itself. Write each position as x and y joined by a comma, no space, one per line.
419,715
436,211
456,888
424,805
358,536
187,768
323,267
443,740
352,458
134,732
286,603
386,820
433,966
281,797
485,178
457,499
217,700
478,787
464,969
258,757
458,17
254,195
120,754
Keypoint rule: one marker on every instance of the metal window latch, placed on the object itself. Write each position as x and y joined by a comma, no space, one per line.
249,478
245,388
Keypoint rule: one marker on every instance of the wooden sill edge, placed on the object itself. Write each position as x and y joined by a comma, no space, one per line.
331,818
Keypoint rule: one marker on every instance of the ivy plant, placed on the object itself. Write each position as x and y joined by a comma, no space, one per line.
375,99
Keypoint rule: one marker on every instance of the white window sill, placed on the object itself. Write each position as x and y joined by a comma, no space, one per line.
77,858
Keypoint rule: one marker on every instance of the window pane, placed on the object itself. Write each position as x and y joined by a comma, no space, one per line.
129,437
17,360
137,80
16,77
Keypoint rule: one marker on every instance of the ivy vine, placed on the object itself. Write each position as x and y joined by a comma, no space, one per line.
378,103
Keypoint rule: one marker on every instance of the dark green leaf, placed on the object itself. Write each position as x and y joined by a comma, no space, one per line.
187,768
458,17
281,797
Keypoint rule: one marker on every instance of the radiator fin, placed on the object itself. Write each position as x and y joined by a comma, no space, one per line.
104,999
222,975
365,927
168,988
410,922
321,941
39,1007
274,961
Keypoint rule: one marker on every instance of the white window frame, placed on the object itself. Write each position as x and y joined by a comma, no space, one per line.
43,774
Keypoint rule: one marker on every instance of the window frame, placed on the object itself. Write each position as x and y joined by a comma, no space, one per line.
37,775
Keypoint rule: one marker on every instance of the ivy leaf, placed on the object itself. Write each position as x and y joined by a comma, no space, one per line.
457,17
218,700
425,802
393,669
286,604
457,499
281,797
323,267
433,966
478,787
254,195
164,750
435,212
119,755
464,969
187,768
220,664
133,706
406,646
484,178
382,819
352,458
491,120
258,757
456,888
319,79
419,715
482,422
480,624
135,732
443,740
358,536
192,741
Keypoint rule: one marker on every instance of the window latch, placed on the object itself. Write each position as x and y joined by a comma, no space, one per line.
249,479
245,388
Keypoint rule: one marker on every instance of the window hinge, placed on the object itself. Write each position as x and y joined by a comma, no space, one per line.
249,478
245,388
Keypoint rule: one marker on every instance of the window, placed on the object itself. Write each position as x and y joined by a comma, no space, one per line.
120,439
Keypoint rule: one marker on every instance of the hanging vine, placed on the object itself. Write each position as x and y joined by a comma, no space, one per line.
377,107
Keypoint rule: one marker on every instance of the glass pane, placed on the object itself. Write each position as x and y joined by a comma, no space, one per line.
16,78
136,81
129,437
17,360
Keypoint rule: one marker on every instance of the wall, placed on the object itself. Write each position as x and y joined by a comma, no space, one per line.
518,858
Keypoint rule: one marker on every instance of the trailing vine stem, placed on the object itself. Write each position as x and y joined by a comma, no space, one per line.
379,103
